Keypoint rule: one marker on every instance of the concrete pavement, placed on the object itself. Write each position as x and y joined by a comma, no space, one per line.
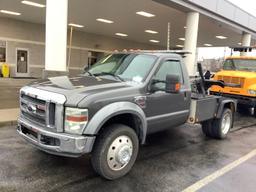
9,115
9,92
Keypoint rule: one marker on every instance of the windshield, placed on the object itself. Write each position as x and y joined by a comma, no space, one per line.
240,64
127,67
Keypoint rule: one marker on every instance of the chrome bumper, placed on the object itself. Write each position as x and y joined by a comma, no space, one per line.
55,143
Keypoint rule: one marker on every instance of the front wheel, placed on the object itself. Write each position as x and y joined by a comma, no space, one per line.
115,151
219,128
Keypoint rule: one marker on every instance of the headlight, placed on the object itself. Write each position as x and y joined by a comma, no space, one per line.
252,92
75,120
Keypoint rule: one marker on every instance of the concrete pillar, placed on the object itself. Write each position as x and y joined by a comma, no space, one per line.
191,41
56,35
246,41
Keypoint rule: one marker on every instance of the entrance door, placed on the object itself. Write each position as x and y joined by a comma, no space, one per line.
22,62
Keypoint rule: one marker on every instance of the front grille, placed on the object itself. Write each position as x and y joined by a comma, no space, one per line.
37,111
233,80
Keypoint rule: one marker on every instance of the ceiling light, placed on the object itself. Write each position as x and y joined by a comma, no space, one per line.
208,45
121,34
221,37
182,39
179,46
151,31
145,14
185,27
33,4
239,43
10,12
75,25
104,20
154,41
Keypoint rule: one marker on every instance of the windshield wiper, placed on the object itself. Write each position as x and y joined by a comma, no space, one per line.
111,74
91,74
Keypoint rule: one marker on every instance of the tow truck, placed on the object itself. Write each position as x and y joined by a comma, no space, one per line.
109,110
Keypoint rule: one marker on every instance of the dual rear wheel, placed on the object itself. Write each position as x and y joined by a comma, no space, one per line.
219,128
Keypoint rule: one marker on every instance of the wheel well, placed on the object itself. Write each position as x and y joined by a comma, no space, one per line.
230,106
128,119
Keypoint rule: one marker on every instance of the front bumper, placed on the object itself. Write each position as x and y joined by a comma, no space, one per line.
55,143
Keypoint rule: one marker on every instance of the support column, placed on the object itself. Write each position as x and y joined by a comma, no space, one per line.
56,35
246,41
191,41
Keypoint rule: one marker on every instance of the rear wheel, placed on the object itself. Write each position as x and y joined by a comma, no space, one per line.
115,151
207,127
219,128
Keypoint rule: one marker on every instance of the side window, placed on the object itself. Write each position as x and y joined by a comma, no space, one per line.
171,67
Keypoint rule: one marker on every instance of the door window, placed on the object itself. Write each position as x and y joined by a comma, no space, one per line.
171,67
22,61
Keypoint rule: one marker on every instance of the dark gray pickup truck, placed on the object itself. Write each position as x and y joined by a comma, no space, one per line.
110,109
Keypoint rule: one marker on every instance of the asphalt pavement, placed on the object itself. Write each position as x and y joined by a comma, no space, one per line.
170,161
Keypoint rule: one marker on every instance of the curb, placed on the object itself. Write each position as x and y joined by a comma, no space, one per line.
7,123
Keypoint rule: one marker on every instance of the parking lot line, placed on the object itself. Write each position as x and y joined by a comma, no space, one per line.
205,181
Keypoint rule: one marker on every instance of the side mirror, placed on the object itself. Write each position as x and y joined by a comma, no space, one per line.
172,84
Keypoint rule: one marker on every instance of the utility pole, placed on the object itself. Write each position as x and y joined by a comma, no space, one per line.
70,45
168,36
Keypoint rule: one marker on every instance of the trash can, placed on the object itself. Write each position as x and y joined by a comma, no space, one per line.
5,70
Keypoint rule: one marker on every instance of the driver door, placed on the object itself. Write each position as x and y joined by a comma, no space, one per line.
165,110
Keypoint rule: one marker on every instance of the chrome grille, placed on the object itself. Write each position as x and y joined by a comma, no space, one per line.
234,80
37,111
43,108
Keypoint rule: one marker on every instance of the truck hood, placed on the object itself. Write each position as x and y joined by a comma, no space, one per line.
77,88
244,74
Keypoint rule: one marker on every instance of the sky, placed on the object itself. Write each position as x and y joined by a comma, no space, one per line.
247,5
214,52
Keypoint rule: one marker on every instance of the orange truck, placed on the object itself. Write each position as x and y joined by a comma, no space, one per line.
240,72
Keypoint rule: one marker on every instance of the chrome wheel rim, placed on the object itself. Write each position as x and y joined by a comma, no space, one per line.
226,123
120,153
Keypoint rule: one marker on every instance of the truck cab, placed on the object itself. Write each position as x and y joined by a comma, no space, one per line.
110,109
240,73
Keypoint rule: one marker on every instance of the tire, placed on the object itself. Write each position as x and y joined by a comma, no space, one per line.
222,126
207,127
115,139
219,128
